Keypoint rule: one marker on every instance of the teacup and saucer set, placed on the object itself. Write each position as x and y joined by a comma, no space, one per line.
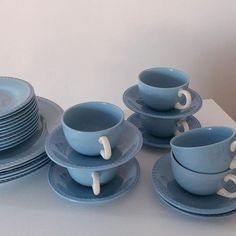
25,122
163,104
94,153
198,176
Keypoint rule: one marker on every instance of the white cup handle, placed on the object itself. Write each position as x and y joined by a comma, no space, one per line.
233,164
223,192
188,97
182,123
106,151
96,183
233,146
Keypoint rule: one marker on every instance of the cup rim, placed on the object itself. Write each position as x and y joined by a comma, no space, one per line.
196,172
197,130
93,102
164,68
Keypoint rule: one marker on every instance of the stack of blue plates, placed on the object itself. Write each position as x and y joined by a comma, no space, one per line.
25,122
19,117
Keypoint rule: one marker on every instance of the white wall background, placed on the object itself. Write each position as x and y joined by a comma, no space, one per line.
74,51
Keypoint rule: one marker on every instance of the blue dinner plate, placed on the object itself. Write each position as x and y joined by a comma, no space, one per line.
14,94
128,145
166,187
134,102
18,166
34,146
154,141
25,167
24,172
124,181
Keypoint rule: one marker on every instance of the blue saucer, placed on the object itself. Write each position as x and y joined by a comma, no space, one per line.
125,180
134,102
50,114
198,215
128,145
154,141
167,188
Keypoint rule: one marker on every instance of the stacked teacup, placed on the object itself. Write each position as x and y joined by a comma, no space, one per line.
94,153
163,105
202,160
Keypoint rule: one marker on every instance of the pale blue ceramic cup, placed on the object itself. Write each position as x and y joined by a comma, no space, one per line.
92,178
164,88
202,184
93,128
205,150
164,128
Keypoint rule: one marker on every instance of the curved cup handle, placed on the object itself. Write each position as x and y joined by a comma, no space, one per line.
106,151
233,146
181,123
96,183
233,149
188,97
223,192
233,164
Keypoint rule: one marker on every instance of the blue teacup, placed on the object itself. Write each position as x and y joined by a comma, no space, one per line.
93,128
202,184
164,88
205,150
91,178
163,128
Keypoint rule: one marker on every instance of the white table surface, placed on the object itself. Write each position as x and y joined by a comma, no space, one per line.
29,207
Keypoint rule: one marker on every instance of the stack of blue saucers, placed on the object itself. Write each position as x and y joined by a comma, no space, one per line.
163,104
77,176
25,121
172,194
